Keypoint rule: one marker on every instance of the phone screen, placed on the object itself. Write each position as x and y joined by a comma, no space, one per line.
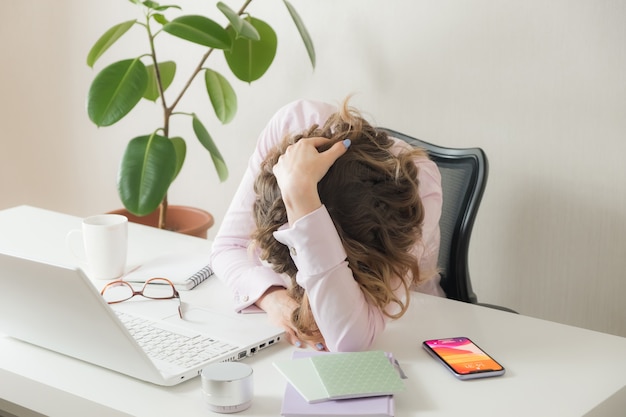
463,357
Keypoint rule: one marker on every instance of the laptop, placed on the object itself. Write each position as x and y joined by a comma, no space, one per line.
58,308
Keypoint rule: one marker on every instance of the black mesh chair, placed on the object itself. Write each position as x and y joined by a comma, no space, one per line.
464,177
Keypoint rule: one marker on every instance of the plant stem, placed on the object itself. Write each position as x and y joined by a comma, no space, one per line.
166,116
168,110
199,66
162,213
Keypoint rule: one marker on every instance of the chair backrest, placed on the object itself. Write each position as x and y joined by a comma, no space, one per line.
464,177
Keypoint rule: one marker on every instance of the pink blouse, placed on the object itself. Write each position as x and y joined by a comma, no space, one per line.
347,321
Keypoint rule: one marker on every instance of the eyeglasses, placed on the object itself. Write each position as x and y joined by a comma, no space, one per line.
154,288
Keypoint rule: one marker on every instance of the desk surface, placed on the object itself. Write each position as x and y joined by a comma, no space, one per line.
552,369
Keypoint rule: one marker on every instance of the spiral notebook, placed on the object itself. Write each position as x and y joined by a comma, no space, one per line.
185,269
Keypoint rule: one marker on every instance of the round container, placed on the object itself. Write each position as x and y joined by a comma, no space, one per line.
227,387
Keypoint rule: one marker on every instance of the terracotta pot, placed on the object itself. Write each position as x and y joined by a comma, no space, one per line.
182,219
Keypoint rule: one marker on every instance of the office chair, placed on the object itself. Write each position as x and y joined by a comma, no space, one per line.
464,177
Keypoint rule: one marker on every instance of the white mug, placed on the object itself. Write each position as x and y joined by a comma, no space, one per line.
104,244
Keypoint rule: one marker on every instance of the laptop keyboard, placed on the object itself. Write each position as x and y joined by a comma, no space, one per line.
172,347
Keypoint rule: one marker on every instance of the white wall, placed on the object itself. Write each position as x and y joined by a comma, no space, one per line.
541,86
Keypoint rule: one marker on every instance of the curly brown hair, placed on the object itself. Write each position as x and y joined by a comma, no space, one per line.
372,197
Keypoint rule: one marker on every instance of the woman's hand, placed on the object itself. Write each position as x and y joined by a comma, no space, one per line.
279,306
299,170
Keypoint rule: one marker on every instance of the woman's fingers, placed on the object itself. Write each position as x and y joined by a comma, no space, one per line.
291,337
300,169
303,159
329,156
334,152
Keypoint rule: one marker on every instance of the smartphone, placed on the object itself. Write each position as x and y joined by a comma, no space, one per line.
463,358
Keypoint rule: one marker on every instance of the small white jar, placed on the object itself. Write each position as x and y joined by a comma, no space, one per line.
227,387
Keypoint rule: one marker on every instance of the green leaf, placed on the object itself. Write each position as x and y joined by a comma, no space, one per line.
222,95
200,30
116,90
151,4
249,60
167,70
106,40
160,19
205,139
242,27
157,7
304,33
181,151
146,172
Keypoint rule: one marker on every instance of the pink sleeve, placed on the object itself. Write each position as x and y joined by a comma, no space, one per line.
231,259
346,319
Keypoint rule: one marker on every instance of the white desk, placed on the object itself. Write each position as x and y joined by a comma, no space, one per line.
552,369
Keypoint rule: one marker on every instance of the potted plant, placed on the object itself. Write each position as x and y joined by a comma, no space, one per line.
152,160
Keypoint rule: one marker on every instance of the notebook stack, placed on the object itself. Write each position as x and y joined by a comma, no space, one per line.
356,384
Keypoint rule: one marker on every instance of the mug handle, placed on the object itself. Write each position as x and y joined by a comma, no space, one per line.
73,245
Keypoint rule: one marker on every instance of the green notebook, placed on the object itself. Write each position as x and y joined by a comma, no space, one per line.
334,376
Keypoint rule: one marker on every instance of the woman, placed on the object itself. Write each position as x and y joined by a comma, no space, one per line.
331,226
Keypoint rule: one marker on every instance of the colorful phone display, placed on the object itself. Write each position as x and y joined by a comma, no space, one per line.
463,357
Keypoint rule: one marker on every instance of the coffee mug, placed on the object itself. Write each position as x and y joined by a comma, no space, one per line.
104,245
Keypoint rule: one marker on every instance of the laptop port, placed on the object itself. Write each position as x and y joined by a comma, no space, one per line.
242,354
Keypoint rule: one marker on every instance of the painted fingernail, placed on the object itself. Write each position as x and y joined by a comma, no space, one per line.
298,343
347,143
319,346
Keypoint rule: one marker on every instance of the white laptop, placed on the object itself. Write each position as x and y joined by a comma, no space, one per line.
59,308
